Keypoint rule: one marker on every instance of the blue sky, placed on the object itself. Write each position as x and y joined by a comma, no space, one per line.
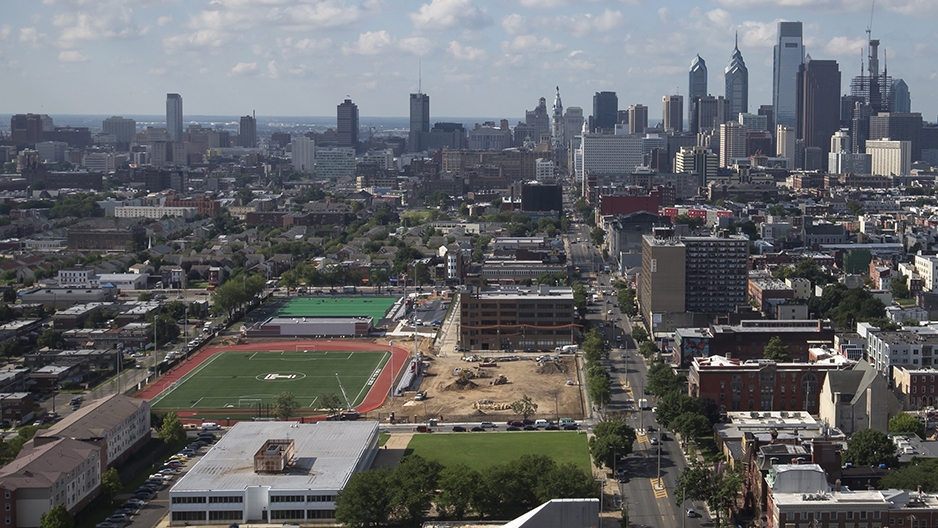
479,58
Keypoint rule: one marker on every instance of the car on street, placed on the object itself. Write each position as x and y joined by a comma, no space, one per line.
530,428
512,428
105,524
136,502
665,437
477,429
552,427
571,427
488,425
516,423
118,518
423,429
654,440
691,513
459,429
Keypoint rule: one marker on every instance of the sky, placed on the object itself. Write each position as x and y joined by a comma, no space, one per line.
476,57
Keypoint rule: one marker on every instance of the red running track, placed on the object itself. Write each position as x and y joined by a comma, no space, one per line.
374,399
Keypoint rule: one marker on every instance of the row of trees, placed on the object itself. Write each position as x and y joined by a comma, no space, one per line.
237,291
597,377
625,294
405,494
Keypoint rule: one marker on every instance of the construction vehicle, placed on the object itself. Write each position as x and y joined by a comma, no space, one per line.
349,413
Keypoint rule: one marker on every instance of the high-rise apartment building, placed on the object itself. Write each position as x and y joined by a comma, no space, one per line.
707,274
347,126
785,143
304,154
122,128
26,129
605,111
697,88
788,58
889,157
897,126
638,119
901,99
818,103
699,161
754,122
247,132
769,112
610,155
672,113
732,142
174,116
736,83
419,122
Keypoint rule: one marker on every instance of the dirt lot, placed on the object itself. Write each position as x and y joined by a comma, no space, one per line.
459,396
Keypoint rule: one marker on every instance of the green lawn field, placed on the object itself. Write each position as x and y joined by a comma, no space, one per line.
481,450
375,307
243,380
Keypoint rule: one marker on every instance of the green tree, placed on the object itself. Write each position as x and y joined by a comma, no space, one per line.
111,482
285,405
611,436
662,380
366,500
172,431
331,402
674,404
56,517
593,347
870,447
692,426
166,328
144,297
413,486
648,349
626,298
597,236
855,208
460,488
694,223
776,350
639,334
525,406
719,489
919,472
900,287
51,339
906,423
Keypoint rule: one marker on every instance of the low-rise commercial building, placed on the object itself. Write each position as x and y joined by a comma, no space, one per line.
539,318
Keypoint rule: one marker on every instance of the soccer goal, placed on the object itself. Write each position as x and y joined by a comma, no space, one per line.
250,403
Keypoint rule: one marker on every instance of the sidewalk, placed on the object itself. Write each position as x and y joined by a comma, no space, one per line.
391,453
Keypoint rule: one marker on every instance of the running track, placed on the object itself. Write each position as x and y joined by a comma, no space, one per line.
374,399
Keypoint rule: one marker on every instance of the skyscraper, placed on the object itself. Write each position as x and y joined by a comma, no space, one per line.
818,103
638,119
556,129
736,82
697,88
732,142
247,132
898,126
538,120
304,154
785,144
123,129
347,126
174,116
901,99
788,58
672,113
605,110
419,122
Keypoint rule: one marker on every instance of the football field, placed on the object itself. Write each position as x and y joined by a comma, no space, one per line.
252,379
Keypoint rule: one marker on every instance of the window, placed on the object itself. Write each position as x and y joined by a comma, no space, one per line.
225,515
8,520
287,514
188,515
320,498
849,515
320,514
287,498
863,515
188,500
226,499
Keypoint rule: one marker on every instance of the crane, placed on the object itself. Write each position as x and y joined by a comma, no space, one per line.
349,413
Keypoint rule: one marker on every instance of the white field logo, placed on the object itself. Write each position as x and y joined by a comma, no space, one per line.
275,377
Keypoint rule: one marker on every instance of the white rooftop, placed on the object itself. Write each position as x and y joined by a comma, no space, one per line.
327,454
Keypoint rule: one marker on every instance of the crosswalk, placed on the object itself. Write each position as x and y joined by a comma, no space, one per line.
657,485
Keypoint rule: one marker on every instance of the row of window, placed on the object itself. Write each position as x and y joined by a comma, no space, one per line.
226,499
188,500
298,515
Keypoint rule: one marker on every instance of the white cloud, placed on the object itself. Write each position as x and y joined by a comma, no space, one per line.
513,24
244,68
157,71
845,46
543,4
579,60
323,14
446,14
825,5
86,21
29,35
206,38
313,44
72,56
5,31
370,43
164,20
468,53
419,46
911,7
272,71
531,44
664,15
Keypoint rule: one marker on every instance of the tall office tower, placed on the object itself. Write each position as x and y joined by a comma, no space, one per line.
896,126
818,103
699,161
174,116
848,105
711,112
556,128
785,137
788,58
754,122
419,122
900,98
605,111
304,154
736,83
732,142
572,123
123,129
840,141
247,132
769,112
347,126
860,125
697,88
707,274
26,129
672,113
890,157
638,119
538,119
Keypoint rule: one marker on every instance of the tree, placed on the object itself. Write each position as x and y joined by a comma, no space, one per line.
366,499
870,447
674,404
144,297
855,208
172,431
900,287
166,328
331,403
459,491
639,334
648,349
597,236
56,517
776,350
285,405
692,426
525,406
920,472
413,485
51,339
719,488
611,437
111,482
626,298
662,380
906,423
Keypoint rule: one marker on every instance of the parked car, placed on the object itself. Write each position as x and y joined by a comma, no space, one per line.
105,524
423,429
516,423
512,428
530,428
488,425
552,427
118,518
691,513
136,502
571,427
477,429
459,429
654,440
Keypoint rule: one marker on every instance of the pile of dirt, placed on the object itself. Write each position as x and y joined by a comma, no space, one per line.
551,367
460,385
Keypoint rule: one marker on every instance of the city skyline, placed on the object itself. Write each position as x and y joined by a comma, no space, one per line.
478,58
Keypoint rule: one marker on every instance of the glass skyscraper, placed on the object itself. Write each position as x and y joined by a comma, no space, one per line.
174,116
736,80
788,58
697,88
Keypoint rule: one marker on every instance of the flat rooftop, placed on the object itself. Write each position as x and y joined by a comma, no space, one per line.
326,456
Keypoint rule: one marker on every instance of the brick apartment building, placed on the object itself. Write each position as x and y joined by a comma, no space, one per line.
538,318
747,340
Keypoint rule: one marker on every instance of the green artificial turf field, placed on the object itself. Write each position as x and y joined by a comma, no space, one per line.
481,450
375,307
246,379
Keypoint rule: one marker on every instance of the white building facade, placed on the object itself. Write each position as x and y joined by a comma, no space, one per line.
889,157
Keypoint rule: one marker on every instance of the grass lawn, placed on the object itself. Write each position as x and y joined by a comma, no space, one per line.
481,450
246,379
375,307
